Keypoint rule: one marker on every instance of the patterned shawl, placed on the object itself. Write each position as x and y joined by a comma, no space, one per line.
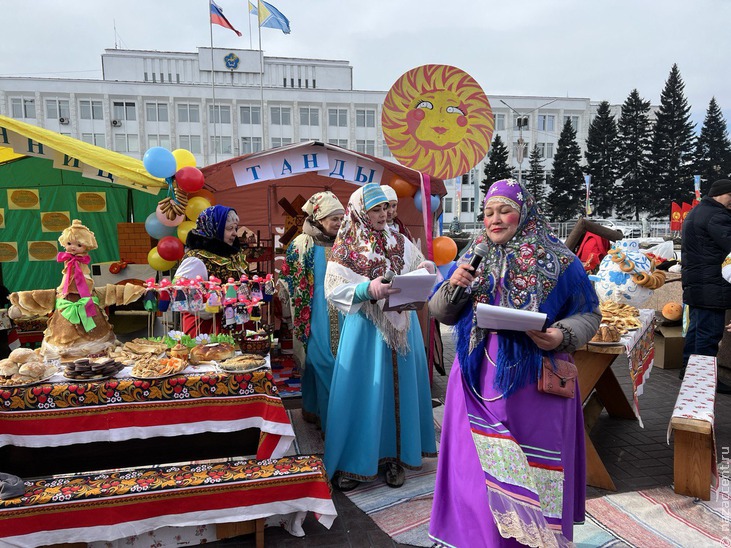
533,271
361,254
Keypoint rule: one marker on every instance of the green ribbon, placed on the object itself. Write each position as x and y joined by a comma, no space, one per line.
76,313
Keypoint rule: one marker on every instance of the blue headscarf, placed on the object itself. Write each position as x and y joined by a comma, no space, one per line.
211,222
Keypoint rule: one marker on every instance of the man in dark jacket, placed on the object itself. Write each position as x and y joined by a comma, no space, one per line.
706,242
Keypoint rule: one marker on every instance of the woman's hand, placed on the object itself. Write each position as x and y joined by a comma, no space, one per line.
462,276
549,339
379,290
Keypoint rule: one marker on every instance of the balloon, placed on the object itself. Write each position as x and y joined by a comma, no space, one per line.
159,162
162,218
445,250
156,229
417,200
170,248
157,262
402,188
183,158
190,179
435,202
183,229
445,268
203,193
195,206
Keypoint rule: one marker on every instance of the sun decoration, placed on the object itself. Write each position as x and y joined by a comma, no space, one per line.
436,119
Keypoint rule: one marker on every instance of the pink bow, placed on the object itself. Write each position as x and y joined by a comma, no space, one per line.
74,269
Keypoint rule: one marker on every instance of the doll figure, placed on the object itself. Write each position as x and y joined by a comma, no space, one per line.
77,241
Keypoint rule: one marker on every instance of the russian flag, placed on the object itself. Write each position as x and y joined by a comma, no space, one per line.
218,18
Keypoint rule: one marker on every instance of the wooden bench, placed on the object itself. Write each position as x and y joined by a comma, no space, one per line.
692,423
235,494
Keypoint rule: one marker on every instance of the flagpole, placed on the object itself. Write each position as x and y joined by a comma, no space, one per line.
261,77
248,9
213,87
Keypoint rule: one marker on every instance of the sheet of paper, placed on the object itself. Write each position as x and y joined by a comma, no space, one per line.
500,317
416,286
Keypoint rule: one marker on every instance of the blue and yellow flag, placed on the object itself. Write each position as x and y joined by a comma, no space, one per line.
269,16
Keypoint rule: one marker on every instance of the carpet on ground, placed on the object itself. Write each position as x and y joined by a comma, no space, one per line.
286,376
307,437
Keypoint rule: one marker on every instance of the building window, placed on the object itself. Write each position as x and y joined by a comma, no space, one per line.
520,122
574,122
468,205
337,117
499,122
365,118
157,112
343,143
190,142
281,116
91,110
126,142
309,116
546,149
219,114
546,122
447,205
221,145
158,141
250,145
23,108
188,113
93,139
57,108
250,115
366,146
125,111
281,141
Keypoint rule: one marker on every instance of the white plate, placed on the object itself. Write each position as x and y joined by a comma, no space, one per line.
601,343
90,379
157,377
224,369
39,381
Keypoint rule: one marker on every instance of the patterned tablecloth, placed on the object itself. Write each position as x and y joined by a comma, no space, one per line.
130,503
640,348
201,399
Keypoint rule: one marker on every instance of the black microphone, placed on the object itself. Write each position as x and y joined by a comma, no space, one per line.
481,251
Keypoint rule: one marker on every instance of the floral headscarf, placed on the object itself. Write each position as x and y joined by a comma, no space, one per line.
362,253
534,271
211,222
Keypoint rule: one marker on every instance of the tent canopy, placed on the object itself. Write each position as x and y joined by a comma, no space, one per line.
288,172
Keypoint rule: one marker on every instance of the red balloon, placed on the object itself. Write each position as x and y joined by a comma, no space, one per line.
170,248
190,179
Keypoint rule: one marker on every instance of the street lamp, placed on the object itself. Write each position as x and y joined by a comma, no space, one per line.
522,121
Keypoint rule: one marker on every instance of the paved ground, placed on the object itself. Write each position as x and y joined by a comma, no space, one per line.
636,458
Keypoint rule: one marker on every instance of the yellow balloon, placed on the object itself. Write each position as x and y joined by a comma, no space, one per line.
195,205
157,262
183,158
184,228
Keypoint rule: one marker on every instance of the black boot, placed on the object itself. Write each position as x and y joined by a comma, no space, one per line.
395,474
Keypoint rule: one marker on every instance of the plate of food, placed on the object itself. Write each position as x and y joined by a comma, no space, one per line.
18,382
158,368
245,363
92,369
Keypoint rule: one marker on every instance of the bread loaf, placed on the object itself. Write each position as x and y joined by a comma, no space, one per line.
32,369
607,333
8,368
211,352
23,355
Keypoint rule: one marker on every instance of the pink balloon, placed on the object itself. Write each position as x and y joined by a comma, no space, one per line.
167,222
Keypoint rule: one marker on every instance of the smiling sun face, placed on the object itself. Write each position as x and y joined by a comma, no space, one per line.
436,119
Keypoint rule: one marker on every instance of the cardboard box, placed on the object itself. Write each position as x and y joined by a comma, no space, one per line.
669,347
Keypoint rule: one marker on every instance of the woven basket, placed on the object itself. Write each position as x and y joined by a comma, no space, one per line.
255,346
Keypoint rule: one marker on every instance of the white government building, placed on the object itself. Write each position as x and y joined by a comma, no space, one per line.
160,98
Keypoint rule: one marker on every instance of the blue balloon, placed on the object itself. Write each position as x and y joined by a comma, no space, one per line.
435,201
158,230
445,268
417,200
159,162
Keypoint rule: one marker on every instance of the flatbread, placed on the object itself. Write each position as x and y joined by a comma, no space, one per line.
119,289
29,304
132,292
110,295
45,298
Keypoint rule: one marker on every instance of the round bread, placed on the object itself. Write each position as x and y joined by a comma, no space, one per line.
180,351
8,368
607,333
23,355
211,352
32,369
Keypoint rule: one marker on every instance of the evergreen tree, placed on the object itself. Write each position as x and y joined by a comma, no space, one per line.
536,177
497,166
634,142
713,150
601,160
671,158
566,197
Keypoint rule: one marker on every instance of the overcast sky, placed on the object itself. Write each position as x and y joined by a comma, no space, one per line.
600,49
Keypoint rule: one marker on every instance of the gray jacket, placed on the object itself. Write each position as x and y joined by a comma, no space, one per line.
577,329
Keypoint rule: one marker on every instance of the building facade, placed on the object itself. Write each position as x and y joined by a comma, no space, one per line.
221,103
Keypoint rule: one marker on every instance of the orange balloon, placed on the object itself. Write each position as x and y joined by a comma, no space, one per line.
445,250
402,188
203,193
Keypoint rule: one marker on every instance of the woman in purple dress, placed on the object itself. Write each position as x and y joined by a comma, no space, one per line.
511,466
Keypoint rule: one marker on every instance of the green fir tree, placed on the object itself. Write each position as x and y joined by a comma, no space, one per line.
713,150
497,166
601,160
634,142
673,147
566,197
535,178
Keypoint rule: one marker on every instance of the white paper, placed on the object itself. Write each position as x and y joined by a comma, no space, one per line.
416,286
511,319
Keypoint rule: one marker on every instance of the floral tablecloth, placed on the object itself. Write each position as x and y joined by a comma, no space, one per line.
640,348
62,412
